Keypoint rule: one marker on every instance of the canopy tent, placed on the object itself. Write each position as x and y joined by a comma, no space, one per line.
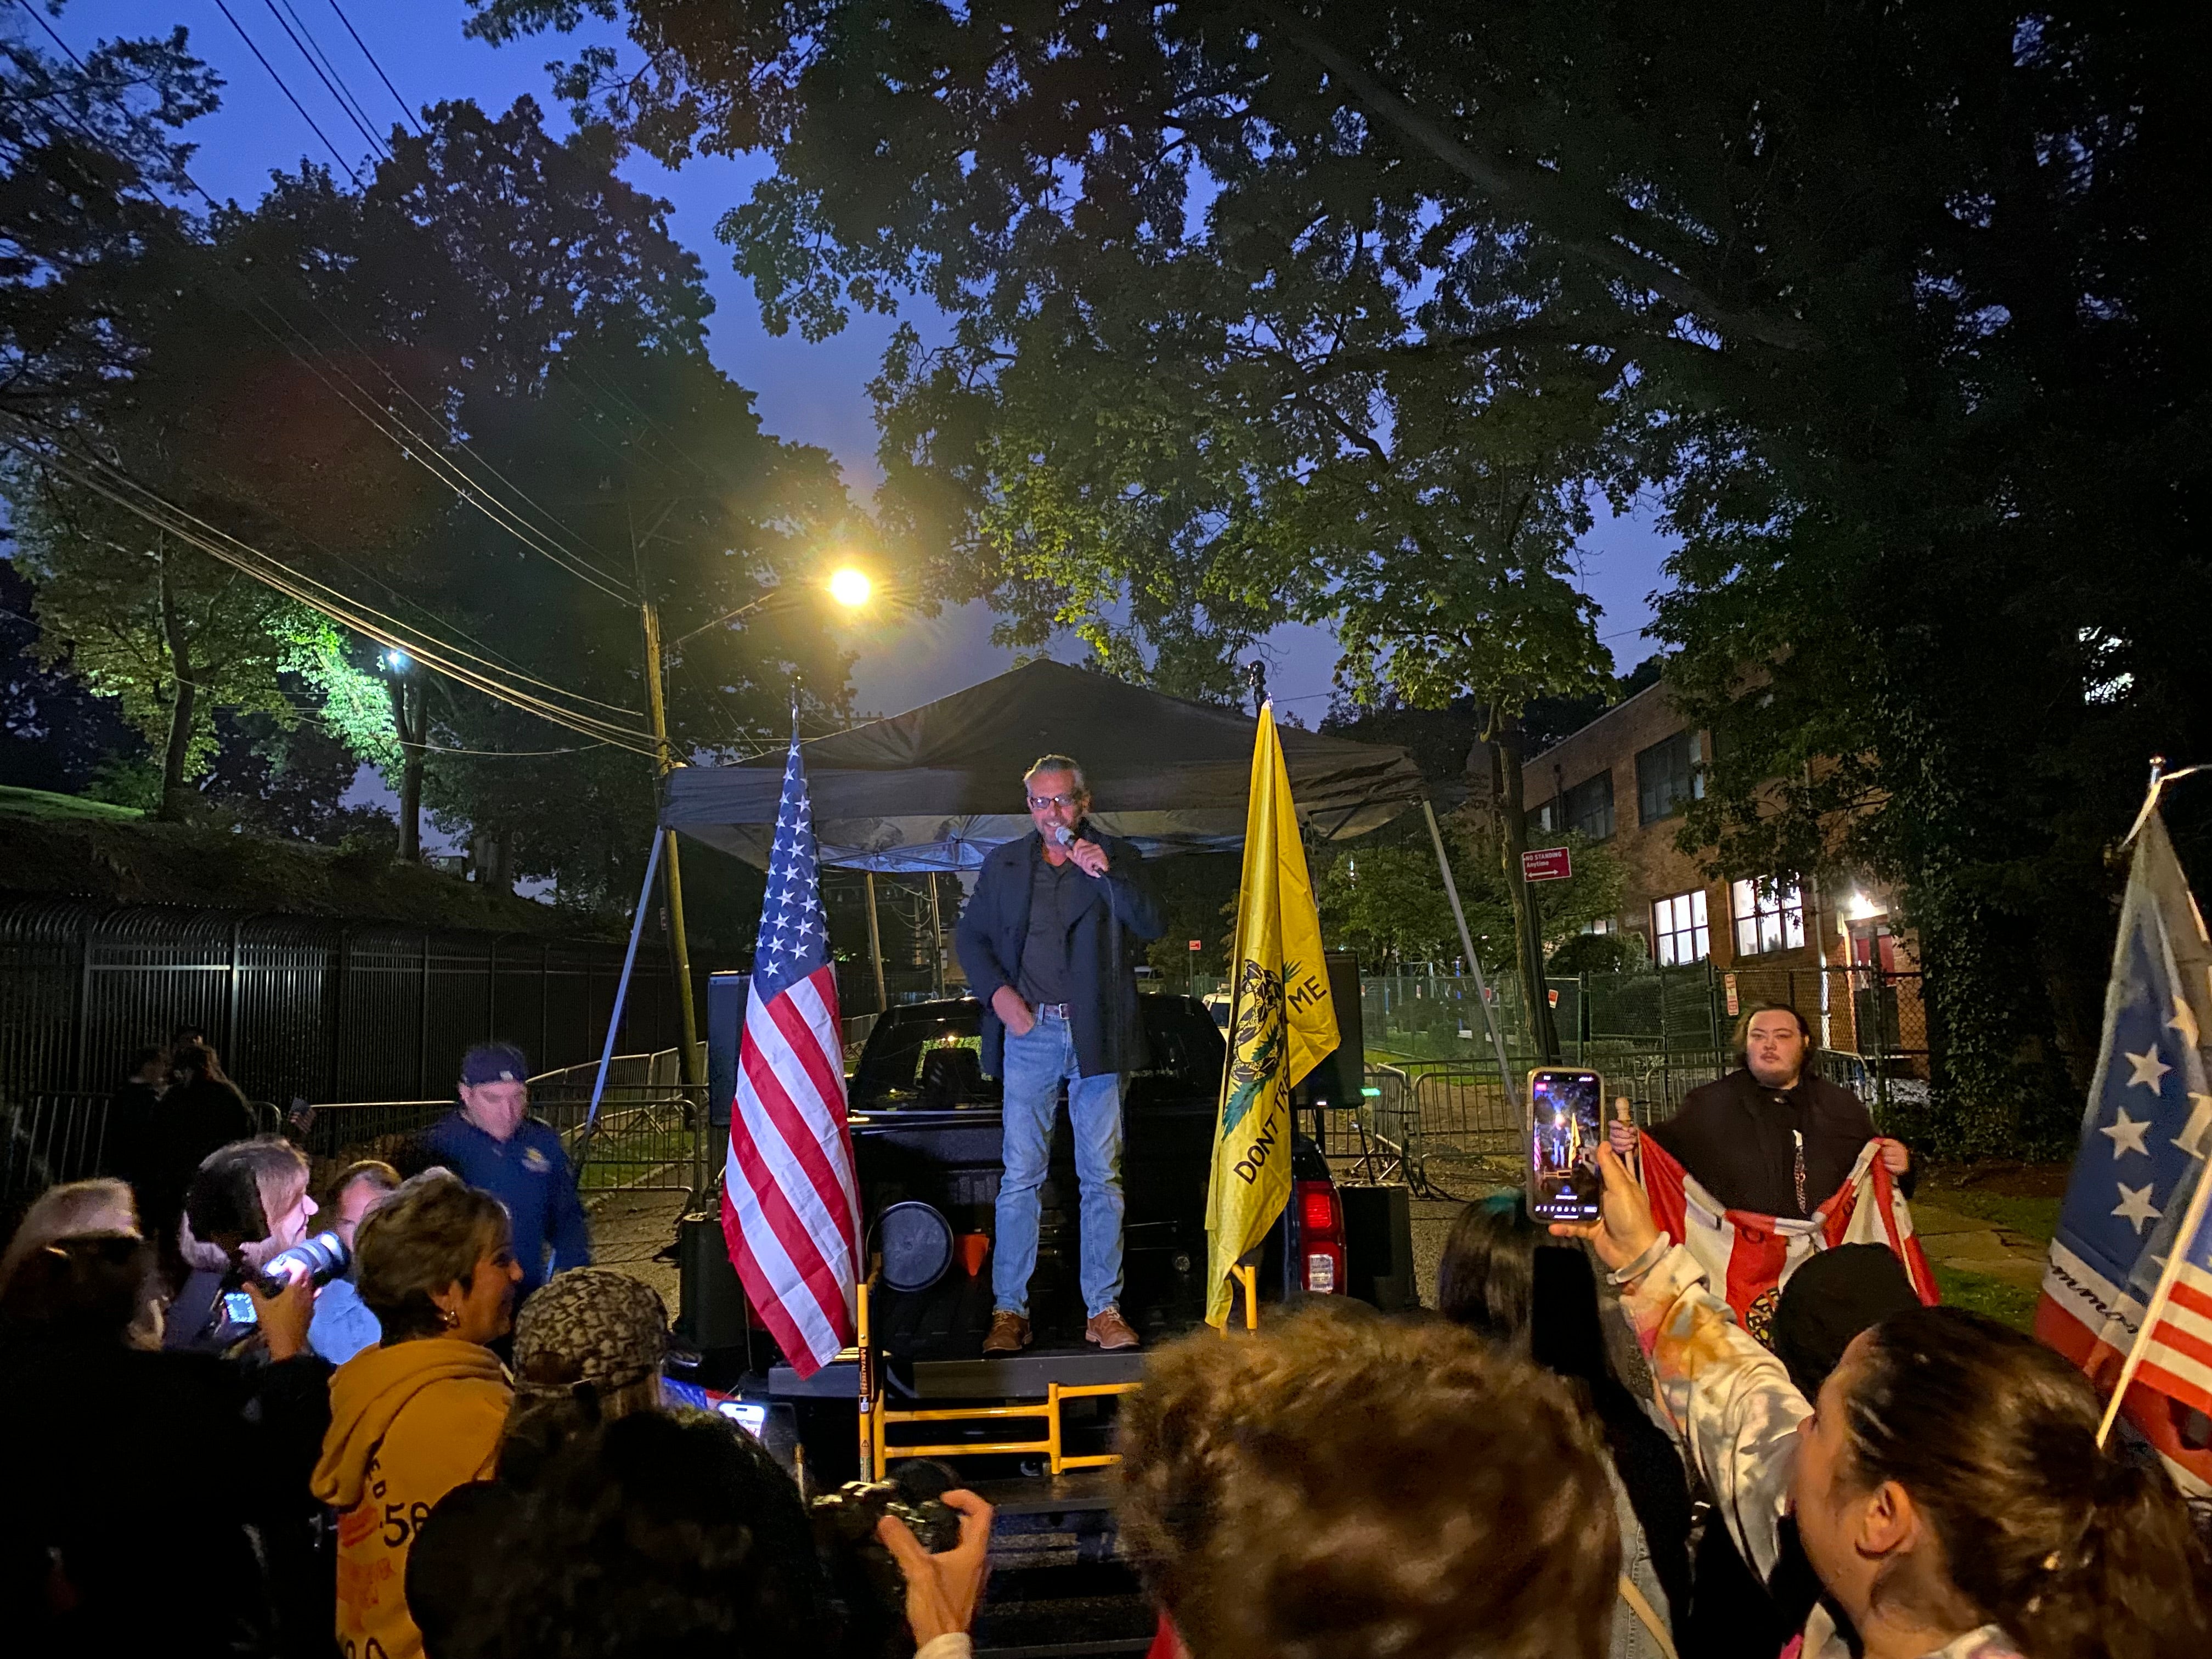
937,787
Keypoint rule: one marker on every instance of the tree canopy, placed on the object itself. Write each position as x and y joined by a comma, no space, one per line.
466,407
1894,308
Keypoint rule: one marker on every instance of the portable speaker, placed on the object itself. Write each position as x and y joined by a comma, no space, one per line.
1336,1081
711,1303
1378,1246
725,1019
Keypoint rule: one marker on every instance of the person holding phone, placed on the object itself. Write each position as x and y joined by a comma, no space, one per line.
1050,942
247,1203
1947,1483
1771,1137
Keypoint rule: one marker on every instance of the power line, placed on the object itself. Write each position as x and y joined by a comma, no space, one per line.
599,578
286,91
427,452
405,109
346,105
115,485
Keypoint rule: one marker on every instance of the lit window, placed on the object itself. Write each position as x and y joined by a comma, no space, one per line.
1679,926
1769,916
1666,776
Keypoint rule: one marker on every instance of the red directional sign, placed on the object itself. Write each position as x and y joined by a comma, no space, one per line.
1547,864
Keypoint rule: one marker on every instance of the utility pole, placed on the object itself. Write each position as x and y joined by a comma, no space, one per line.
876,945
672,872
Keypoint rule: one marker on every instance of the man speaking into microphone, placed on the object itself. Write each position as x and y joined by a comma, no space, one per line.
1050,942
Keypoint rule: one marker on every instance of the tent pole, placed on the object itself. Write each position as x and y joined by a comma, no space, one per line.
937,932
1467,944
876,945
622,990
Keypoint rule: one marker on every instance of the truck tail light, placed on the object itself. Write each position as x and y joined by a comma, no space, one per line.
1321,1236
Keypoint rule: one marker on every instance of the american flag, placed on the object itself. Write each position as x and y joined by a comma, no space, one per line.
791,1205
2141,1160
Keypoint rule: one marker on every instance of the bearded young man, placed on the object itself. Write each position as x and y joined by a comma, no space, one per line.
1769,1137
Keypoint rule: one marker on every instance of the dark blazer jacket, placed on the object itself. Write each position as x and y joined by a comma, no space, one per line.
1106,941
1734,1137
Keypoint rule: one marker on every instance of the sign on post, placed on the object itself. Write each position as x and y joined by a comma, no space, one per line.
1547,864
1198,945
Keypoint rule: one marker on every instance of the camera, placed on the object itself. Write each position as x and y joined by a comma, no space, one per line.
851,1512
865,1580
323,1257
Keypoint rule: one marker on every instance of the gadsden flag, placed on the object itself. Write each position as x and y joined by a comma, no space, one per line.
1282,1023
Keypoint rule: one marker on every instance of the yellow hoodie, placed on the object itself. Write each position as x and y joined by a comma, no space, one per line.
408,1424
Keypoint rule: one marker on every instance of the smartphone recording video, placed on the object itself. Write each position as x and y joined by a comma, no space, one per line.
1566,1128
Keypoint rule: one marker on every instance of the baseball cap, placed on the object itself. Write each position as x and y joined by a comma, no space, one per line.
494,1062
589,1325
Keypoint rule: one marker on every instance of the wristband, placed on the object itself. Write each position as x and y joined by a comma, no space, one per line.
1645,1262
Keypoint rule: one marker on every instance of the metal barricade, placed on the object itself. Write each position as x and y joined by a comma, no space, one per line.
50,1138
649,1138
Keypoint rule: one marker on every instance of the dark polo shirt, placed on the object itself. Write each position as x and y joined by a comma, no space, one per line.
1046,974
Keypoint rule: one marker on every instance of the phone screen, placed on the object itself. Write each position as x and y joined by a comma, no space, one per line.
239,1307
1564,1130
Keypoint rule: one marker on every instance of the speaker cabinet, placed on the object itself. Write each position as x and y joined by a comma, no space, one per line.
1378,1246
1337,1080
725,1018
712,1302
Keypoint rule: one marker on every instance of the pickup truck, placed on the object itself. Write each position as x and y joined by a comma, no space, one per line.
1032,1430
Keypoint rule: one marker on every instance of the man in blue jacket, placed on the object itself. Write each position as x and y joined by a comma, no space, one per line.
1050,942
494,1143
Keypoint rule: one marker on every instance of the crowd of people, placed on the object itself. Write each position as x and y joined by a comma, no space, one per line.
459,1447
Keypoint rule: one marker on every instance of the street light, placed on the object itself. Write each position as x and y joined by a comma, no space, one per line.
851,587
398,661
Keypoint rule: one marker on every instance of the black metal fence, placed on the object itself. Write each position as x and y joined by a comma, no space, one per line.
652,1133
296,1006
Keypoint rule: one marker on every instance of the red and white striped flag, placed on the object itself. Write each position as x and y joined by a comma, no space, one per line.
791,1203
1748,1257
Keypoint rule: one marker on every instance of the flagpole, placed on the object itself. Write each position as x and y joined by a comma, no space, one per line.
2185,1241
2160,777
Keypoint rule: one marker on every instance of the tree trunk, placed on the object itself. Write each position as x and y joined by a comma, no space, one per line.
1528,928
179,748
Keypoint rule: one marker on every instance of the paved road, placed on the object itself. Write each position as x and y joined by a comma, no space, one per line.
630,1229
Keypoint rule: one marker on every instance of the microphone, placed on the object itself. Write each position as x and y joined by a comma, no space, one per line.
1063,834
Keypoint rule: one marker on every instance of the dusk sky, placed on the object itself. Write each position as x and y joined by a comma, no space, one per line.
812,393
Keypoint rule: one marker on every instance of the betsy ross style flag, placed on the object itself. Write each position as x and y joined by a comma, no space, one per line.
2141,1159
1283,1022
791,1205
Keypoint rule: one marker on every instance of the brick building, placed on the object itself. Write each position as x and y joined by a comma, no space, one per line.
1626,780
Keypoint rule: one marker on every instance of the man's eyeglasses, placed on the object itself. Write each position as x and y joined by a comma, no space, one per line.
1038,803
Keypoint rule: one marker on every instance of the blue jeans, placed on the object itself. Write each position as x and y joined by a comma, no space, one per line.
1034,1067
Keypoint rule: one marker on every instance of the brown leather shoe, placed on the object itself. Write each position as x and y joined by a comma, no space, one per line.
1010,1333
1110,1330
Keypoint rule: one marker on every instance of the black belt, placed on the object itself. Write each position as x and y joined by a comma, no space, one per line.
1065,1010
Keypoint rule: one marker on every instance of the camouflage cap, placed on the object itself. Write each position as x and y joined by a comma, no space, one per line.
589,1325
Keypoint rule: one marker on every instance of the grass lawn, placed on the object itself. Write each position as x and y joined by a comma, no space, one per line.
2009,1304
44,804
2031,1217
